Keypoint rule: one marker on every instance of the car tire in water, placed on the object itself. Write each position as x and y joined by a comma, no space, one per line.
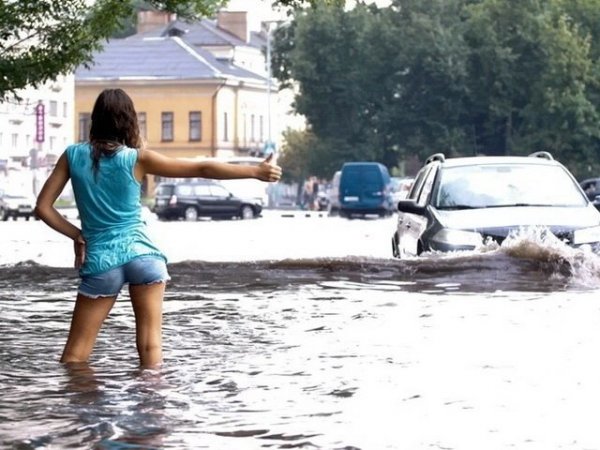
246,212
190,214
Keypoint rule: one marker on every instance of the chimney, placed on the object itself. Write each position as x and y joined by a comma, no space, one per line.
234,22
149,20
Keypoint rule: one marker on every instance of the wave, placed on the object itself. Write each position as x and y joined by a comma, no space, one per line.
528,260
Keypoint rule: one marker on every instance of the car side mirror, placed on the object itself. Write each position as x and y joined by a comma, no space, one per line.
410,207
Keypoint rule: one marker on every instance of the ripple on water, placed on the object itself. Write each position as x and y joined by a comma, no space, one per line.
298,353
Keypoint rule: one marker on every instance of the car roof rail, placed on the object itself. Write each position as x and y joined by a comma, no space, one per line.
436,157
542,154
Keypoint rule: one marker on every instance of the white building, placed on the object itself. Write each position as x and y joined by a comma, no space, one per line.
34,131
23,133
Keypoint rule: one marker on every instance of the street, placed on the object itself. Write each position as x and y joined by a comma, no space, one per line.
274,236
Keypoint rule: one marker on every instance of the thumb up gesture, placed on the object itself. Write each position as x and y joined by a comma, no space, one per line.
268,171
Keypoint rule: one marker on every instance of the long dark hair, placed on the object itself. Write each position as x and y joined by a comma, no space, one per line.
114,124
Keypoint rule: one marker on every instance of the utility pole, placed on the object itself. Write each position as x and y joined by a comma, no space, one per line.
269,145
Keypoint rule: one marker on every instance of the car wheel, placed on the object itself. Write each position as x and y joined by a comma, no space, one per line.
4,215
191,214
246,212
27,217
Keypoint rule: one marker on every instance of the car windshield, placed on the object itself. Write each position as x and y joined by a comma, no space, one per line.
501,185
164,189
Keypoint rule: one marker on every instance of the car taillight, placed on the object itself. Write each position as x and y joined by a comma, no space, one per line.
173,200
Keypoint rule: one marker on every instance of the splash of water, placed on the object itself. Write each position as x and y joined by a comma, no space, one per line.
538,244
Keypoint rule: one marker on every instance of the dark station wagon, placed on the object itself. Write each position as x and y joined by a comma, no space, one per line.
204,198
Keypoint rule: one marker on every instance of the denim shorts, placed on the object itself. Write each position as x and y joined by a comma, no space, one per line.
141,270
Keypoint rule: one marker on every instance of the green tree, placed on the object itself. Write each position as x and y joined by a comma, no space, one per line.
463,77
378,83
323,53
533,81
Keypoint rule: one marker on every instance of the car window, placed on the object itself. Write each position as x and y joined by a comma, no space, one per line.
368,177
202,190
219,191
493,185
423,198
418,184
184,189
164,189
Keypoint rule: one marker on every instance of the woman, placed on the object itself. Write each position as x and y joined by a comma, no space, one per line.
112,247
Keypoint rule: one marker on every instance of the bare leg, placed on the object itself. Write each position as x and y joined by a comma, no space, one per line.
88,317
147,300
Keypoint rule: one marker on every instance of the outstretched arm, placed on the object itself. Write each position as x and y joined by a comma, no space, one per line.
154,163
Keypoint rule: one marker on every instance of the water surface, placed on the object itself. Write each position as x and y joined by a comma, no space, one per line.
493,349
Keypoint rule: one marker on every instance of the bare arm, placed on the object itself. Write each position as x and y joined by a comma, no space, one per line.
46,211
52,188
154,163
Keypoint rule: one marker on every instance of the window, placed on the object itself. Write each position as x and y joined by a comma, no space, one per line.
15,140
261,129
65,109
84,126
195,126
167,126
245,130
225,127
53,108
202,190
52,143
252,135
218,191
141,116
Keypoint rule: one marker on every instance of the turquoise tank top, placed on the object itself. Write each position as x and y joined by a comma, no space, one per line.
109,208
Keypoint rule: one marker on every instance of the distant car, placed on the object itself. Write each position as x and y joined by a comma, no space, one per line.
400,188
192,200
16,205
333,207
365,188
591,187
458,203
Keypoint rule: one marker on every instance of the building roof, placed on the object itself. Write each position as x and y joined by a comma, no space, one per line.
203,33
160,58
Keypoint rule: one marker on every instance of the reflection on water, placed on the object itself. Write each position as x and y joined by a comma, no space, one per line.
492,349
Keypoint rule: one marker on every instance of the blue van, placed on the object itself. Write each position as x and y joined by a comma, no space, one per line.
365,188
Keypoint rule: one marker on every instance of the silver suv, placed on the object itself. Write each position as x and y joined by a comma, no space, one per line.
16,205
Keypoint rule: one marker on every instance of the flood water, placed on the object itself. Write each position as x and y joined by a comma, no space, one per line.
278,349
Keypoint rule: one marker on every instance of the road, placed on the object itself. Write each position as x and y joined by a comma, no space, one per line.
274,236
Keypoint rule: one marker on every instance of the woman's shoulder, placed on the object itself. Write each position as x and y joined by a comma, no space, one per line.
78,146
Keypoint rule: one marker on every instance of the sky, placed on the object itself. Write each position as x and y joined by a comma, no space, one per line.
260,10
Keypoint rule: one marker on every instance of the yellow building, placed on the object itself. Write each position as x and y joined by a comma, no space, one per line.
199,89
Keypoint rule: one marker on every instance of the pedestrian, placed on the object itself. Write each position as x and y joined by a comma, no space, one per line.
112,247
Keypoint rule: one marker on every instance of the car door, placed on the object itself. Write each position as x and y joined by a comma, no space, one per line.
410,225
225,204
205,202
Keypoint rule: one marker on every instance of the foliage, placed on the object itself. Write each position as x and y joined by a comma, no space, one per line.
41,39
463,77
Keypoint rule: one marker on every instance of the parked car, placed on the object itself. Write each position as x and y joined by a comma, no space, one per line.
459,203
191,200
400,188
591,187
365,188
16,205
333,208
